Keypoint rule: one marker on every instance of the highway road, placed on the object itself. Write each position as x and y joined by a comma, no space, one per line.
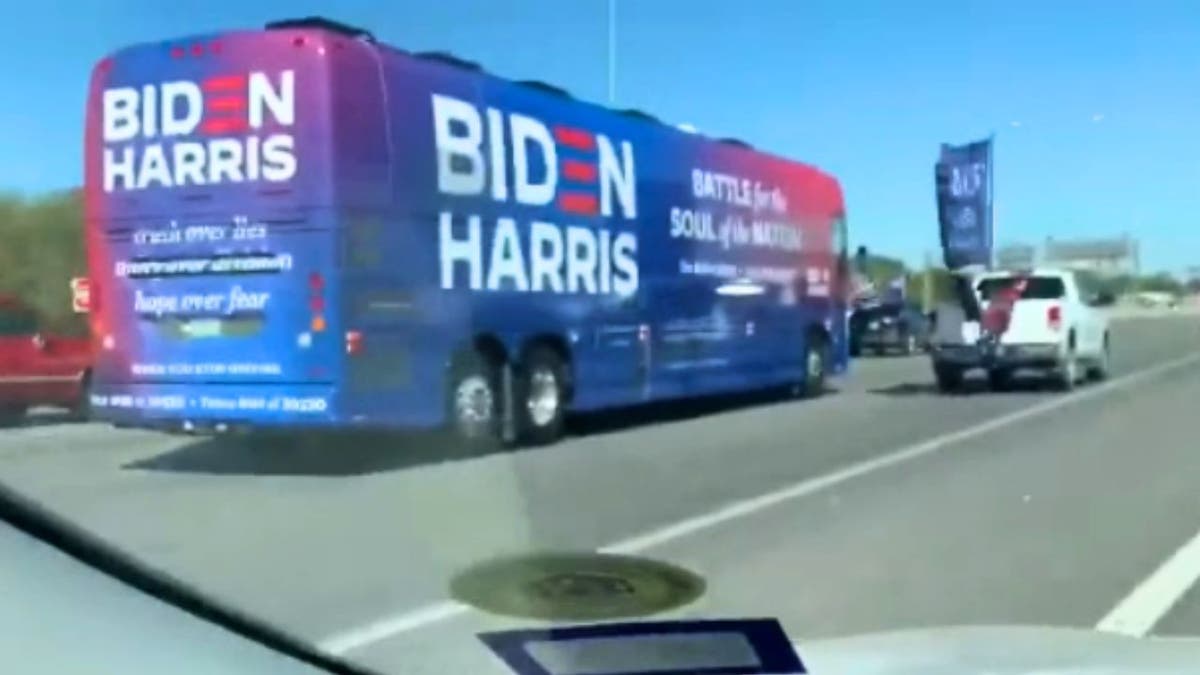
881,506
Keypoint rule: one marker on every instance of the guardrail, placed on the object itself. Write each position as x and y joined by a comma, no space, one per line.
1121,313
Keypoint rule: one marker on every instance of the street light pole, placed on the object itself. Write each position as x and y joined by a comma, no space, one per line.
991,188
612,52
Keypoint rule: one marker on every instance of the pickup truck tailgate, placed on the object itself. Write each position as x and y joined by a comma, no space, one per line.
952,326
1035,322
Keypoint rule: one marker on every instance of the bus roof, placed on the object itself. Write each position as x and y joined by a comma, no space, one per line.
321,25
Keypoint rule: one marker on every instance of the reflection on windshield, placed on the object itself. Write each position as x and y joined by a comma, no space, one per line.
396,329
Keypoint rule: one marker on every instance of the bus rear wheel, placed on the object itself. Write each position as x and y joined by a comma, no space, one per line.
474,397
541,396
816,365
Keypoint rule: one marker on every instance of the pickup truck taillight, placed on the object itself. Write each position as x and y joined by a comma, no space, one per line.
1054,317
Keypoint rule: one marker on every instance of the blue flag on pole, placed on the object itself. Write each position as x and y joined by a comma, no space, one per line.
963,178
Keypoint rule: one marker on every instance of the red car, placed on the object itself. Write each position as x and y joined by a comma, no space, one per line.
38,369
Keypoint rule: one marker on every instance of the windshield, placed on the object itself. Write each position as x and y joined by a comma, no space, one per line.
395,326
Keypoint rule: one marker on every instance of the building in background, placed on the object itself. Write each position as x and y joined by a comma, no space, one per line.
1103,257
1016,256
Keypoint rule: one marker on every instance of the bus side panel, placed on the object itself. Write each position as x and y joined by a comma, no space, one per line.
462,252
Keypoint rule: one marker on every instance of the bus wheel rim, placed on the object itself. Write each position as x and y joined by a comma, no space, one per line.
543,400
473,400
816,367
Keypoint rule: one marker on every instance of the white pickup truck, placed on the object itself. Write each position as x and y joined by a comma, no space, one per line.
1052,328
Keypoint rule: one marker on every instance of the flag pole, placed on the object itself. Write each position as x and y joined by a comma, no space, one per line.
992,198
927,285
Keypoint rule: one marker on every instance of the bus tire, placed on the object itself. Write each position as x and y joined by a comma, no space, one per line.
816,365
473,400
541,396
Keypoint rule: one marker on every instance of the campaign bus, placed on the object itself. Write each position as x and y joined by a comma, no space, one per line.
300,227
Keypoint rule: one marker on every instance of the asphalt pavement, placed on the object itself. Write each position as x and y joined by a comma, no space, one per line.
883,505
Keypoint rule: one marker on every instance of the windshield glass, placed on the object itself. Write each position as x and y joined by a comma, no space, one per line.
392,326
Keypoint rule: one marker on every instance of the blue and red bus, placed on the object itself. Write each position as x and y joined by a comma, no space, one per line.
300,227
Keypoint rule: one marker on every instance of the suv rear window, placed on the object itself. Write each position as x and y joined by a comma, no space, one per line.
1036,288
878,311
17,322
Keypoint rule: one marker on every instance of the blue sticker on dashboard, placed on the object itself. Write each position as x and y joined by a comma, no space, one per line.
708,647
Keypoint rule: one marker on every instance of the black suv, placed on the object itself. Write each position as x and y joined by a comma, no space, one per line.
887,327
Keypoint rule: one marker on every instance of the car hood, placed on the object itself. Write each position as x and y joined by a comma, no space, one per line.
999,650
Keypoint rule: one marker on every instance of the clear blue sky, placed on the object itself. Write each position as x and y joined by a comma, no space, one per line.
1107,95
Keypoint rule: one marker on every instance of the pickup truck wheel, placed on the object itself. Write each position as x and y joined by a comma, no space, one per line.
1000,379
949,379
1099,370
11,414
1067,374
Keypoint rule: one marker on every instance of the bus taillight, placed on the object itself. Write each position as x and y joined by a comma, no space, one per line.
354,342
316,301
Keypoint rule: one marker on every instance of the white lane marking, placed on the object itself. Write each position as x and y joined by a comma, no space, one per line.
1138,613
389,626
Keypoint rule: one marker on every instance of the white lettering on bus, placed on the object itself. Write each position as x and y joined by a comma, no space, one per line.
577,260
476,148
233,112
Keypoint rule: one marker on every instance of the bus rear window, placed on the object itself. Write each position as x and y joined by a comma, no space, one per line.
1036,288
